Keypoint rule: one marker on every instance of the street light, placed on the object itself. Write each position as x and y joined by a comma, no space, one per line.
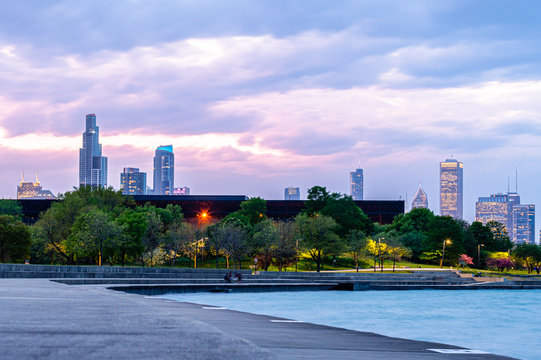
446,241
479,254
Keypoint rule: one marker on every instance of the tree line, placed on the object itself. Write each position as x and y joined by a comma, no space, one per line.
97,226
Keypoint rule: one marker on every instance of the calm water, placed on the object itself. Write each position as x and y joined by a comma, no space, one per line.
501,322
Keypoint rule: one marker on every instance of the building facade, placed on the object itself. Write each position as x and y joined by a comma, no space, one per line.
181,190
133,182
32,190
497,208
164,170
292,193
451,188
524,224
92,165
356,183
420,200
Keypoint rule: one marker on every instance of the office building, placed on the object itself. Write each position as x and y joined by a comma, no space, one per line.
133,182
451,188
32,190
524,224
181,191
420,200
164,170
497,207
356,181
92,165
292,193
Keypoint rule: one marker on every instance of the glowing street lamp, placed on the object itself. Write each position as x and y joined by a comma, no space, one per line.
479,254
448,242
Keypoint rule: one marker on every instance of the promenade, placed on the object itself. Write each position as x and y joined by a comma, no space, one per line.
41,319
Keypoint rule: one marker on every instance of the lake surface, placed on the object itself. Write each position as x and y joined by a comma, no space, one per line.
503,322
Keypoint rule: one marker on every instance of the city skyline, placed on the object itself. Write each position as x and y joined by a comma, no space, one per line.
276,94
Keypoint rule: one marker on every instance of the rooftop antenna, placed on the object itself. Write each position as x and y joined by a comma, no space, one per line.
37,179
359,161
516,180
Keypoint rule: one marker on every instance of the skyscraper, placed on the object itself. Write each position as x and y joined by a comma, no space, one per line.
420,200
524,224
497,207
32,190
451,188
164,170
356,181
92,166
292,193
133,182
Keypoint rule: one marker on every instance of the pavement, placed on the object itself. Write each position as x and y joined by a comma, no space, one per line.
41,319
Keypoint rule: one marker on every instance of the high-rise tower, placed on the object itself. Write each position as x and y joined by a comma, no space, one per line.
356,180
451,188
164,170
420,200
133,182
92,166
292,193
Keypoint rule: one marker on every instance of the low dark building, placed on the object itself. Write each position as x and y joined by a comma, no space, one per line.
207,207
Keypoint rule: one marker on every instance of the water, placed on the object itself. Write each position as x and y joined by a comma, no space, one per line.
504,322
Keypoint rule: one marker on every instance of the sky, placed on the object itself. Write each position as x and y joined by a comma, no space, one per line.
259,95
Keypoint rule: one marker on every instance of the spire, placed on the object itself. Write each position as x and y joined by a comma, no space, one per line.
37,179
22,176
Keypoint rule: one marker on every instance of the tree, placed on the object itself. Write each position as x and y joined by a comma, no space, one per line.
443,228
415,241
185,238
416,220
500,238
214,243
129,243
529,255
396,250
341,208
153,235
255,209
357,245
11,207
318,236
378,250
465,260
97,232
15,239
285,251
500,261
234,242
264,241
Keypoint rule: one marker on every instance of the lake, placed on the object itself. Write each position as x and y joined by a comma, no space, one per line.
503,322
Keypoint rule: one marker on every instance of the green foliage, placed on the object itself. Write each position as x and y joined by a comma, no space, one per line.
440,229
264,241
357,245
318,236
341,208
529,255
255,209
500,238
15,239
417,220
11,207
285,251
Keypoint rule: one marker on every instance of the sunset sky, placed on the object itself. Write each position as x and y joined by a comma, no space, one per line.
256,96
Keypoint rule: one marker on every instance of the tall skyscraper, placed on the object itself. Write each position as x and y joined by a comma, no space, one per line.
292,193
451,188
420,200
496,207
133,182
92,165
524,224
356,181
164,170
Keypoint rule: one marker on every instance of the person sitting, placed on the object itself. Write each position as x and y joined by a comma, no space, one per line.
227,277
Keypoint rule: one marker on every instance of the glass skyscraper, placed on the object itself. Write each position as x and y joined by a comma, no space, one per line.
292,193
451,188
420,200
164,170
133,182
92,165
497,207
356,180
524,224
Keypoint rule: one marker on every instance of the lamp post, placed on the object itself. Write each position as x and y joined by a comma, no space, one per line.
446,241
479,254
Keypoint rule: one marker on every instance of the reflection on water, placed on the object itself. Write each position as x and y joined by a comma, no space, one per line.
504,322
